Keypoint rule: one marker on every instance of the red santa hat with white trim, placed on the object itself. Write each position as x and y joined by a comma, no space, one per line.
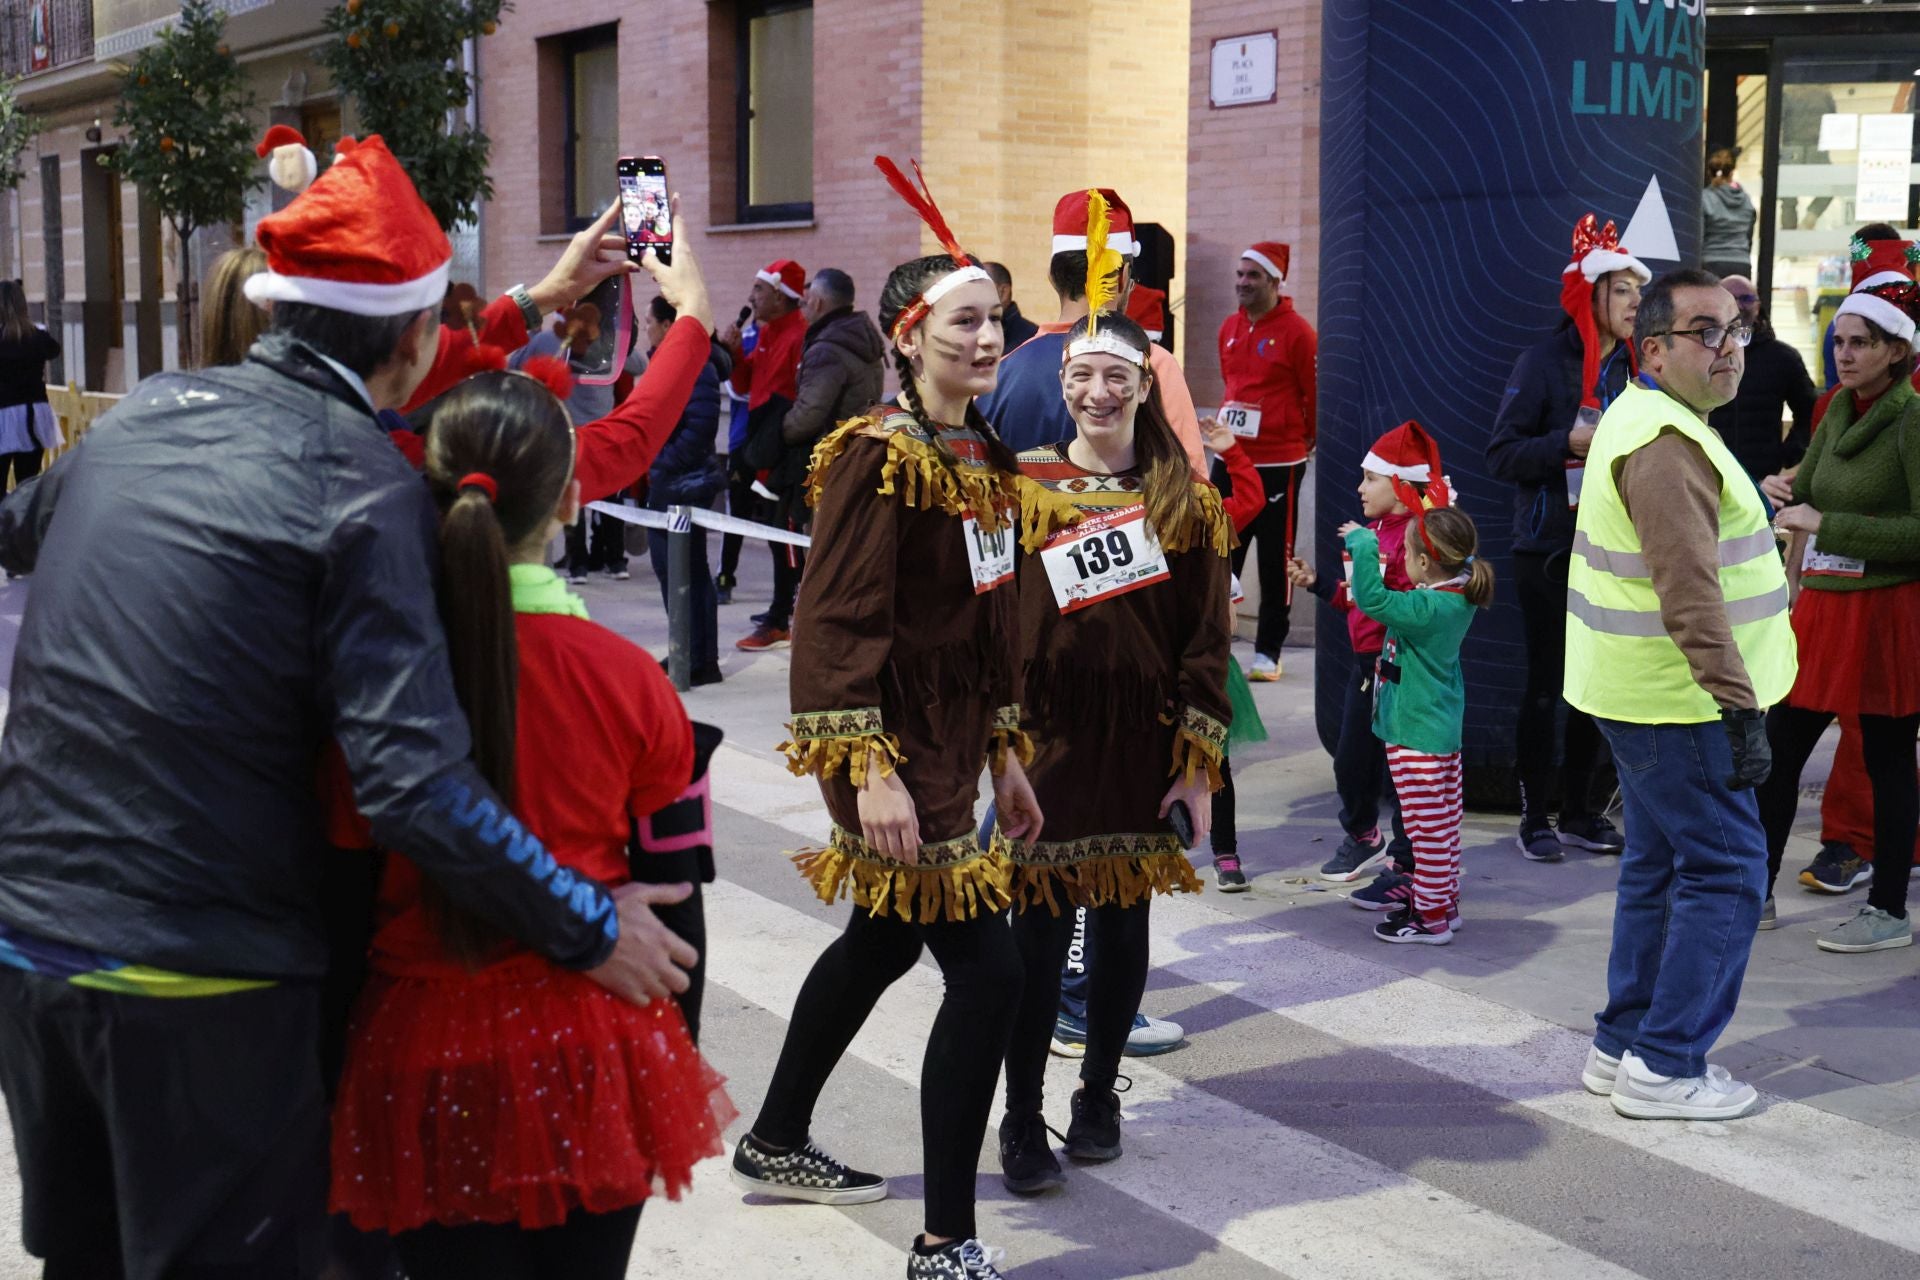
1271,257
290,162
1597,251
359,240
1070,223
1884,290
786,275
1408,455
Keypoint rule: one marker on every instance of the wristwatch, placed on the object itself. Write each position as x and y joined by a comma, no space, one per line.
529,310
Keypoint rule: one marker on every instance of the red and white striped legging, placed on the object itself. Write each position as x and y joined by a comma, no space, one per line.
1430,805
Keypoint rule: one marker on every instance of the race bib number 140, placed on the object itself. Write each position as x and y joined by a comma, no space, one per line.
989,555
1105,555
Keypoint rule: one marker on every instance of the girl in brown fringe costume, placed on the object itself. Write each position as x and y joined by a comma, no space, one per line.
1124,627
902,692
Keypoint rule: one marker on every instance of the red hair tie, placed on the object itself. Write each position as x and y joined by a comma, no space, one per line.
483,482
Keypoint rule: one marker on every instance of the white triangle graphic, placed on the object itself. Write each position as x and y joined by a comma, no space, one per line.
1650,233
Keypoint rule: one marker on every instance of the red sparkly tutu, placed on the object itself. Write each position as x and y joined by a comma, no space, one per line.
1858,651
516,1095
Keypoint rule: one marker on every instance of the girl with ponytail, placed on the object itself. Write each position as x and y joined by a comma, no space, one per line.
501,1117
1124,634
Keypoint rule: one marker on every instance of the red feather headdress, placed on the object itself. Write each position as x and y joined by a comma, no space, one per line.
965,266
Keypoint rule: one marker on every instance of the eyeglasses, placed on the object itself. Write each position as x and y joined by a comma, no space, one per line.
1713,337
1746,299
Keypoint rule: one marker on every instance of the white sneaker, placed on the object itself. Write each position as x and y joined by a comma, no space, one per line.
1643,1095
1152,1035
1264,668
1599,1073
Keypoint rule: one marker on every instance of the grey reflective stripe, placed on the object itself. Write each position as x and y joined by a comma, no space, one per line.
1631,564
1646,625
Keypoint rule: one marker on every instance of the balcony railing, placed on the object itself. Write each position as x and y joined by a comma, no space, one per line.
40,35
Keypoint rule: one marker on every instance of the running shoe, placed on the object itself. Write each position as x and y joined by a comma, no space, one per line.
1592,833
1356,856
764,637
1151,1036
1836,869
576,576
1227,875
955,1260
621,574
1640,1094
1600,1072
1069,1036
723,585
805,1173
1391,890
1094,1134
1768,918
1538,843
1264,669
1027,1163
1405,927
1871,929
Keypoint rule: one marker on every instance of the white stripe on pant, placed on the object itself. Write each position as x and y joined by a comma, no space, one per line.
1431,804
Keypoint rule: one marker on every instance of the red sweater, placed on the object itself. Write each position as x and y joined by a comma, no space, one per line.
602,738
773,367
1270,363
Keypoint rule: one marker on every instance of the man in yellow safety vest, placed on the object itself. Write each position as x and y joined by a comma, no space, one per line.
1677,642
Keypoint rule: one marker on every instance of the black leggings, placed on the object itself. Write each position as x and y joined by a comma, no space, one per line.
982,972
587,1246
1226,826
1887,742
1118,935
1540,581
1275,527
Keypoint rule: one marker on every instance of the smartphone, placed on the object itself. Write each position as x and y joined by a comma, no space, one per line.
1180,818
646,210
600,360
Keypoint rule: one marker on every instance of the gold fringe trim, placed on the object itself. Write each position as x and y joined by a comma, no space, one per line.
1212,528
1016,739
1194,752
822,757
1097,882
941,887
1043,512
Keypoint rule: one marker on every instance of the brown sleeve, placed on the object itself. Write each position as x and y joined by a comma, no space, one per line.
1672,495
1200,736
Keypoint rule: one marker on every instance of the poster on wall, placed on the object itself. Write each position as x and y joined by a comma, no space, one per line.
40,34
1886,170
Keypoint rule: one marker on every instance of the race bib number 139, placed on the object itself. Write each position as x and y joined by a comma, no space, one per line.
1107,554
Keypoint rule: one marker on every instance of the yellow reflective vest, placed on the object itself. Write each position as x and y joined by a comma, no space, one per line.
1621,662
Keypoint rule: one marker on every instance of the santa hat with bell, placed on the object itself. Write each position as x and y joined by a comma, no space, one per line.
1597,251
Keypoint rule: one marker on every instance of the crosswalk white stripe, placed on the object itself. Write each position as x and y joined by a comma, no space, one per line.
1293,1198
1788,1152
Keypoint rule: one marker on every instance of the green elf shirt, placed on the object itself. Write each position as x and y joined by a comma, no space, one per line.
1420,697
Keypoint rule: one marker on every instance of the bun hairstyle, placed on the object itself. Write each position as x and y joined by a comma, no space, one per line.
1455,541
499,454
905,284
1165,473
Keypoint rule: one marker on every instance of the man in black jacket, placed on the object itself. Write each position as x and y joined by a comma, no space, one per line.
1774,385
235,567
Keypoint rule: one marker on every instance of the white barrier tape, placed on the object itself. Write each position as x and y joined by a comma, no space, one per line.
703,517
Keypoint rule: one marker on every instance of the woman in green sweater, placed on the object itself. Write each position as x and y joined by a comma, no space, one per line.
1420,697
1857,500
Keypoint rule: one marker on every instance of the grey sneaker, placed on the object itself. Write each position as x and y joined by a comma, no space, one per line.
1640,1094
1591,832
1768,919
1539,843
1871,929
1600,1072
1354,858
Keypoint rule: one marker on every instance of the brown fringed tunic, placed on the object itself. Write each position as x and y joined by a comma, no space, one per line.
894,651
1121,695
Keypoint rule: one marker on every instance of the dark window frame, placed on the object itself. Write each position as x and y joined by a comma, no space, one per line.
572,45
792,211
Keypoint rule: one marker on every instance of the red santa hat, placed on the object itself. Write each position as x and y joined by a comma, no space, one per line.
1271,257
359,240
1408,456
1596,252
1884,290
1070,223
1147,307
786,275
290,162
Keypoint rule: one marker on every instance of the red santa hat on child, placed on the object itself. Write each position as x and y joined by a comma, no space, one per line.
1597,251
290,162
1884,291
1070,223
1271,257
1408,456
359,240
786,275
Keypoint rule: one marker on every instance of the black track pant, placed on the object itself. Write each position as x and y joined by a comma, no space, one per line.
1541,583
1119,936
962,1063
1275,528
587,1246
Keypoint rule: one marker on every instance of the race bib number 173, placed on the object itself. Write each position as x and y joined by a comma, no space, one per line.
1107,554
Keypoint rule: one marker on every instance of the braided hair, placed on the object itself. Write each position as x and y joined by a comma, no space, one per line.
905,284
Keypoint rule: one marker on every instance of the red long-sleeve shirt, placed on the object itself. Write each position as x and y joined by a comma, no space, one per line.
1269,362
772,368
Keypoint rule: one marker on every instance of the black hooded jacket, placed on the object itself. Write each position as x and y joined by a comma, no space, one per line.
234,567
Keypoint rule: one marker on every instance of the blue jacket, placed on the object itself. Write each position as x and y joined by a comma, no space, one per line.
686,472
1528,447
1026,407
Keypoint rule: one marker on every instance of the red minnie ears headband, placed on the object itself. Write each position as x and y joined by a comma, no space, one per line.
966,267
551,373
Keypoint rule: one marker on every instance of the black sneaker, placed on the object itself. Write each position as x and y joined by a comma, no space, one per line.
1095,1132
1391,890
805,1173
723,585
955,1260
1355,857
1836,869
1404,926
1592,833
1538,843
1027,1163
1227,875
760,619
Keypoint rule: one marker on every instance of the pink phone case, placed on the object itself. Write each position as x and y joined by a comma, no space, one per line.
622,337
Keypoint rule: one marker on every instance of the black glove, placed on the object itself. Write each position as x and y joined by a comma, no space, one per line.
1747,735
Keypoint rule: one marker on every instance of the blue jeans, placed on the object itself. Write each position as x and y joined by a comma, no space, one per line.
1692,880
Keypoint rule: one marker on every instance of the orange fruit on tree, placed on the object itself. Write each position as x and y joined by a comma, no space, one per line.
393,30
488,28
166,143
353,39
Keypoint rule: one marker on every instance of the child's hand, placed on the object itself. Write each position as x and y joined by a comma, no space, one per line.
1349,527
1219,438
1301,574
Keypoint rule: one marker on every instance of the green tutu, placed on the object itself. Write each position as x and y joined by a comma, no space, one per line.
1246,726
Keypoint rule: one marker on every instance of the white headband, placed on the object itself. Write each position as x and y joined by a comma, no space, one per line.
953,280
1105,343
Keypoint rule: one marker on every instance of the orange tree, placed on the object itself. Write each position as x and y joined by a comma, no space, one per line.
186,117
401,61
